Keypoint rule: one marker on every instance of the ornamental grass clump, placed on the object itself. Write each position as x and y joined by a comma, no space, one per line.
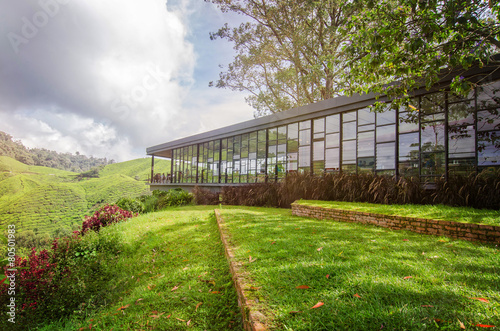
104,216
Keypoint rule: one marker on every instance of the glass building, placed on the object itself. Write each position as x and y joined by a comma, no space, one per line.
438,134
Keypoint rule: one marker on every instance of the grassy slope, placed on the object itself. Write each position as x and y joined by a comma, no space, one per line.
368,278
46,199
171,274
435,212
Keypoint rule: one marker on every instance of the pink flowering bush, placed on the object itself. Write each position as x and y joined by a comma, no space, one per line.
73,273
104,216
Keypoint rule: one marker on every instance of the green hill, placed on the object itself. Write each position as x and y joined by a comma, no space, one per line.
46,200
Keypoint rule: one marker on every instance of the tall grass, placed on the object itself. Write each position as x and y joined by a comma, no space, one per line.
477,191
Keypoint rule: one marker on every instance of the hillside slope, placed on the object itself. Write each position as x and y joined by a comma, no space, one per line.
47,200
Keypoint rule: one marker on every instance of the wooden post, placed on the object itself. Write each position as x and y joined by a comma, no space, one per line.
152,168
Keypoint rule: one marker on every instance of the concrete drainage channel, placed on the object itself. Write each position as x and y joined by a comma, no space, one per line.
253,319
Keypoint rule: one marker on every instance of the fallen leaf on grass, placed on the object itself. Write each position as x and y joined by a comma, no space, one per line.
357,295
253,288
250,259
427,306
295,312
462,326
319,249
137,301
481,299
188,322
303,287
180,319
123,307
175,288
328,276
198,305
319,304
151,287
215,292
156,316
485,326
274,242
408,277
405,240
169,315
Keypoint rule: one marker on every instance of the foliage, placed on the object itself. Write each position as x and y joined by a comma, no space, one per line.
131,204
413,43
203,196
476,191
175,197
288,52
105,216
92,173
53,283
46,158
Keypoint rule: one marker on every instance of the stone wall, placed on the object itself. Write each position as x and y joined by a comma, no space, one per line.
465,231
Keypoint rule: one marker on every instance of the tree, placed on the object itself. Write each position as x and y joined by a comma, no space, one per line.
289,53
400,45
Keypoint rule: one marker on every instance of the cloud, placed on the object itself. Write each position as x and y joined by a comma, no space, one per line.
108,78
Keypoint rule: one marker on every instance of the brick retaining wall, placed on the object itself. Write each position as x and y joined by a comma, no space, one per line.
465,231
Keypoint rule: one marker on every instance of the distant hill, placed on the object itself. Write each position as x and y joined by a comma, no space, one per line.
46,158
51,201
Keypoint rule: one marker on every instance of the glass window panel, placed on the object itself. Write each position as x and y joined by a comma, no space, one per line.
273,134
365,116
349,151
461,113
432,163
319,135
318,151
305,125
304,156
386,133
318,167
282,149
272,151
366,144
349,168
432,137
408,122
433,117
488,95
386,117
386,156
349,130
293,146
461,142
262,136
333,123
293,131
488,147
292,162
369,127
253,135
432,103
488,120
332,159
409,168
319,125
333,140
349,116
461,166
366,164
305,137
282,133
408,146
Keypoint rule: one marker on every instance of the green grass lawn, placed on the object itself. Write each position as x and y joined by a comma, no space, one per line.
171,274
368,278
435,212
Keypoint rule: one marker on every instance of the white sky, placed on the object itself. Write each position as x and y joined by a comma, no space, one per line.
111,78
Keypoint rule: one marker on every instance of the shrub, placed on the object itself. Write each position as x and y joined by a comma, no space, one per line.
131,204
175,197
106,215
203,196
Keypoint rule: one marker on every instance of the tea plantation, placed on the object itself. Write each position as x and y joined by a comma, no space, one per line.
46,200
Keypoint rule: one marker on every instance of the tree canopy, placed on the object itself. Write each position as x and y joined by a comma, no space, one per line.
289,53
410,44
292,53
